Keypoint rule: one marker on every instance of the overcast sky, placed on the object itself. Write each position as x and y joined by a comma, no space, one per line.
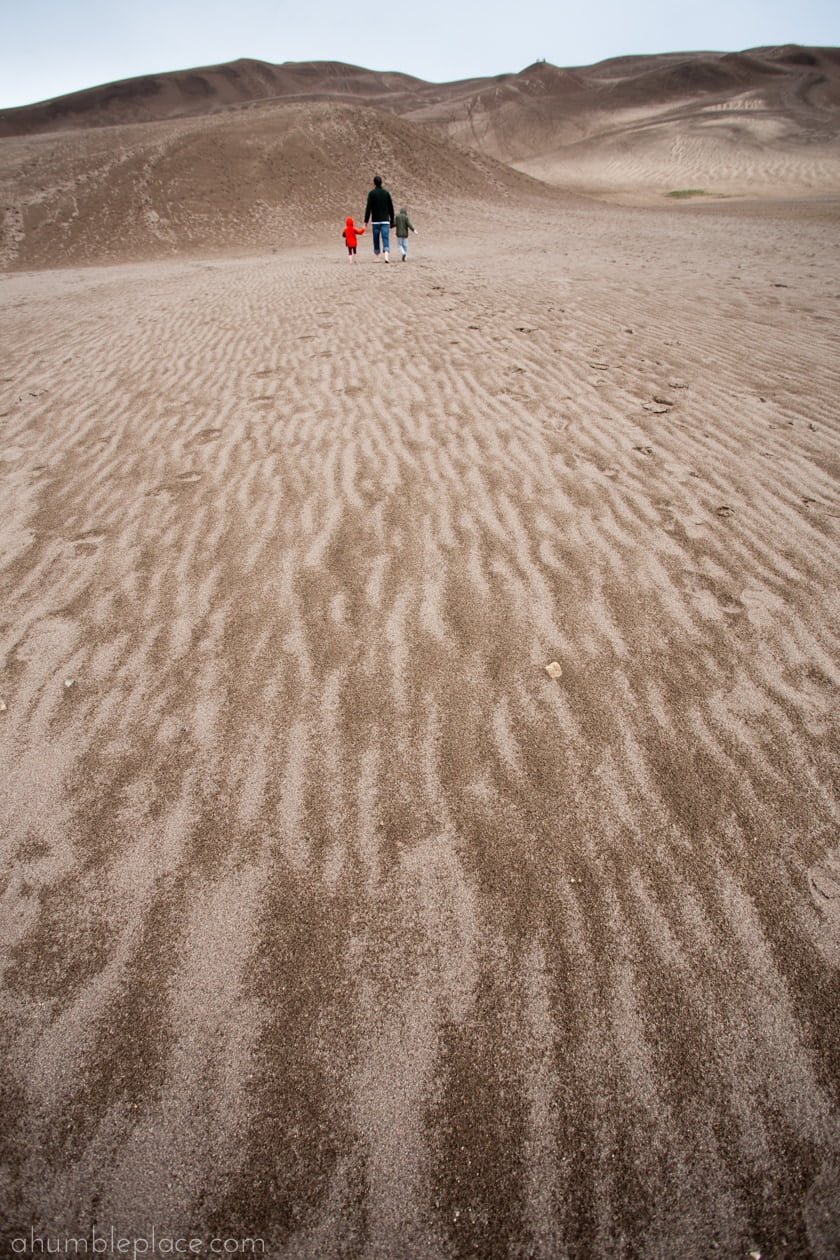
49,47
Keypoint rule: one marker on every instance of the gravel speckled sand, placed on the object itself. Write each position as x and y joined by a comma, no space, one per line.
329,917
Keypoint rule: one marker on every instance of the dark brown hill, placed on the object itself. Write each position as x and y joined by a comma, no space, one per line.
182,94
270,175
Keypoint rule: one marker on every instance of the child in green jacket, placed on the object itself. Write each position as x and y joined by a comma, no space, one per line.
402,226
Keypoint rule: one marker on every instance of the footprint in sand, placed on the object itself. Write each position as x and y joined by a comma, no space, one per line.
88,543
203,436
712,598
825,508
605,469
760,605
824,887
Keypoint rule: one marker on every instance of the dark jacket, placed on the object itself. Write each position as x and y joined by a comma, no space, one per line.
380,207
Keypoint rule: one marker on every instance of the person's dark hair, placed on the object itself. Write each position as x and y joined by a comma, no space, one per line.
377,179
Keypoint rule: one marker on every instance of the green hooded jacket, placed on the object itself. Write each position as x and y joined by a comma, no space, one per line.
402,223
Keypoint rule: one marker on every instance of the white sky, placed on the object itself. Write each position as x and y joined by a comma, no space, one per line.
50,47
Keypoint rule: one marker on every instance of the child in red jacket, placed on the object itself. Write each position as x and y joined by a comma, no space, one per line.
350,233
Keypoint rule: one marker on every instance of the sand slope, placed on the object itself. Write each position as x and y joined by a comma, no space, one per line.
763,123
255,179
329,917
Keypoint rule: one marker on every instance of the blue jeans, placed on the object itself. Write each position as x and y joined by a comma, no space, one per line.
381,229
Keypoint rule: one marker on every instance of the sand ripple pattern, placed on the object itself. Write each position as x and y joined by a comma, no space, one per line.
328,916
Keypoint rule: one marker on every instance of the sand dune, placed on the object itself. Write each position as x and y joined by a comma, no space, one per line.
329,917
740,150
757,124
265,178
208,89
765,122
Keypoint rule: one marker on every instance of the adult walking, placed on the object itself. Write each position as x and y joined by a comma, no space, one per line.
379,211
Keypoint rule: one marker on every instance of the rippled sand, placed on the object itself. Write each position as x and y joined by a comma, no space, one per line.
329,916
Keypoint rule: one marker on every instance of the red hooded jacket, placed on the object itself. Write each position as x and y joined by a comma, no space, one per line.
351,232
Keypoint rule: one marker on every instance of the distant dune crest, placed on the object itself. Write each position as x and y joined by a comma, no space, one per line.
799,74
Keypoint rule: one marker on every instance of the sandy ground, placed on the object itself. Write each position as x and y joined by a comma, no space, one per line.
329,918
